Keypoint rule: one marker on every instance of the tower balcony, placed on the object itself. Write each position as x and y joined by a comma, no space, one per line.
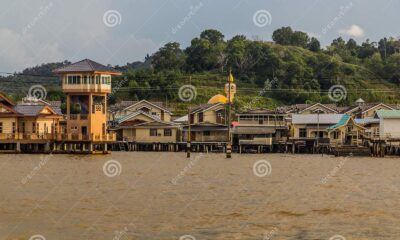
86,88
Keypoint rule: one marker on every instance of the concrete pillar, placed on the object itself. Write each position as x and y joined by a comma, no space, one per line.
293,148
47,147
18,147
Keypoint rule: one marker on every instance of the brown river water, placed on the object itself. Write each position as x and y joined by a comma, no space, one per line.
137,195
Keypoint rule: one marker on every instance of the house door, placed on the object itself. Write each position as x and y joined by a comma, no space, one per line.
84,131
193,136
348,140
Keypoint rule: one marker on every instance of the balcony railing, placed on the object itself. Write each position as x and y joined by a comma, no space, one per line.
256,141
58,137
78,116
86,87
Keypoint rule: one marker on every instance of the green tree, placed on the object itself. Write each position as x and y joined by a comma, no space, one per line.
367,49
314,45
213,36
300,39
207,52
169,57
283,36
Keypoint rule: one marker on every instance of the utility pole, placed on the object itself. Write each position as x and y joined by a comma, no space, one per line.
188,146
228,145
318,129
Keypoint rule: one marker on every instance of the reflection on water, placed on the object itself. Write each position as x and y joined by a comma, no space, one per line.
166,196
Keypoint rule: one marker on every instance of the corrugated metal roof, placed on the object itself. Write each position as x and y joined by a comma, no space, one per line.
85,65
34,109
363,121
181,119
343,121
388,113
253,130
128,104
316,118
29,110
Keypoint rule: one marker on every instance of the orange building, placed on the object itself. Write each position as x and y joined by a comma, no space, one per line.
87,84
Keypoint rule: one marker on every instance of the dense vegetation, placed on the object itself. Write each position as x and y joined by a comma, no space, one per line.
291,69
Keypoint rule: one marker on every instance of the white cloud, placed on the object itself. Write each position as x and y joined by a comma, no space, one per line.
353,31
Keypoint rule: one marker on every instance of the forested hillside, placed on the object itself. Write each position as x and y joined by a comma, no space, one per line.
293,68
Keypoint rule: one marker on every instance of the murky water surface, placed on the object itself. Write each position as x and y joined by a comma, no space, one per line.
166,196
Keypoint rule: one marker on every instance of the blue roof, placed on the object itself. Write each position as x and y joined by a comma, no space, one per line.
343,121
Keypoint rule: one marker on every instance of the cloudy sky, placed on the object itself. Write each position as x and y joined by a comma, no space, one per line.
120,31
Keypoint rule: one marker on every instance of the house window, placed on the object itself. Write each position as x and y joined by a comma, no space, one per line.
1,127
33,127
153,132
302,132
220,117
191,119
97,79
23,127
14,127
45,128
201,117
167,132
335,135
74,79
206,133
104,129
145,109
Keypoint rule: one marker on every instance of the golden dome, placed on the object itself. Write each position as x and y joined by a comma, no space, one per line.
218,99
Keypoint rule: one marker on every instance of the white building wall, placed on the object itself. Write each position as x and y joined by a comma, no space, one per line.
390,128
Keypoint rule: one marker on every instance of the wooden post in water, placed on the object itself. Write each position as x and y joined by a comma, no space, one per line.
228,145
188,147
